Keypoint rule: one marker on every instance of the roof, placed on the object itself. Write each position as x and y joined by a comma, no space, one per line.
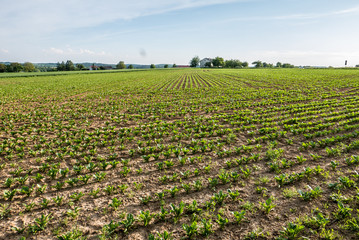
206,59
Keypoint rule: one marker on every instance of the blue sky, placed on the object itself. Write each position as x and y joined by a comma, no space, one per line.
301,32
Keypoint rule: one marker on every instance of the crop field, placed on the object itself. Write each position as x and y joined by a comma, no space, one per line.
180,154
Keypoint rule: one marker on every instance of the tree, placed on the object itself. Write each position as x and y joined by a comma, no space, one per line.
61,66
29,67
218,62
233,63
245,64
257,64
121,65
69,66
130,66
14,67
287,65
278,65
174,65
165,66
194,61
228,64
80,66
267,65
152,66
237,64
2,68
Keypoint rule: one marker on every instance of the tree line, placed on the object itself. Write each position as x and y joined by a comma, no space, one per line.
260,64
122,65
17,67
70,66
219,62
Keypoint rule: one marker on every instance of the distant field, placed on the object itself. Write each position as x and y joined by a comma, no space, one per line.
55,73
192,153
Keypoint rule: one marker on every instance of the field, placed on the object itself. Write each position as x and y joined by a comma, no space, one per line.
180,153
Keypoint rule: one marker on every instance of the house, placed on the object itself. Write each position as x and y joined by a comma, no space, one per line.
203,62
94,67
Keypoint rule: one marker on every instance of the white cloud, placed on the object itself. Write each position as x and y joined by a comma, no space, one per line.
319,15
303,16
75,54
4,50
55,50
86,51
347,11
71,52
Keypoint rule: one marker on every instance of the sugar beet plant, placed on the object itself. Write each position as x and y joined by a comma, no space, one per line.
180,153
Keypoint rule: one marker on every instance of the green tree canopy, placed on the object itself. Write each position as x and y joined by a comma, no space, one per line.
152,66
2,67
174,65
61,66
287,65
194,61
80,66
130,66
218,62
165,66
233,63
29,67
69,66
257,64
121,65
267,65
14,67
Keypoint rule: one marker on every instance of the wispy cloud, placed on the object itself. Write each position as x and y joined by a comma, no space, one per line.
29,17
173,30
347,11
69,52
300,16
319,15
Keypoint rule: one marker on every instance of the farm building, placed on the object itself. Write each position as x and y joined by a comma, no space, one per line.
203,62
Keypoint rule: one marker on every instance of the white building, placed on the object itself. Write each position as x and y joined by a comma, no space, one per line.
203,62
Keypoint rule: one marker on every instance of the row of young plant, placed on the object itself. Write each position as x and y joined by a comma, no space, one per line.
262,130
164,136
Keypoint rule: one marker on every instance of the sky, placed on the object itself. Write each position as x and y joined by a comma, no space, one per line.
300,32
